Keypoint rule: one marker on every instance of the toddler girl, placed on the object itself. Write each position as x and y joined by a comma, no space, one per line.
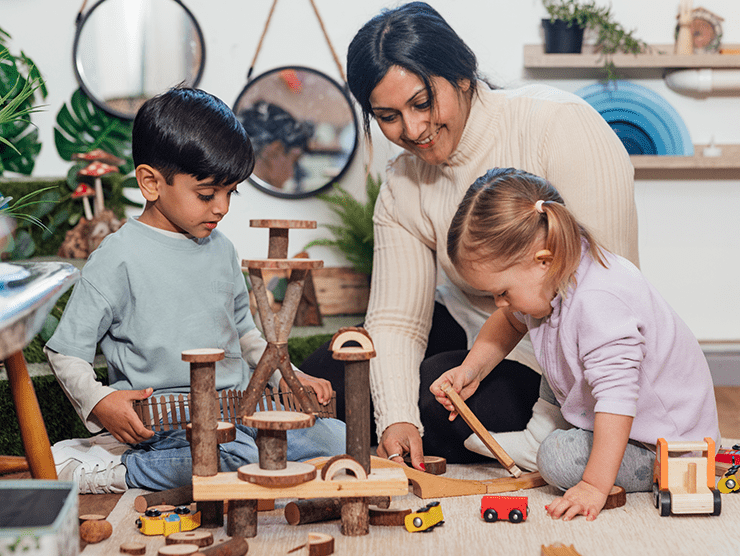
623,367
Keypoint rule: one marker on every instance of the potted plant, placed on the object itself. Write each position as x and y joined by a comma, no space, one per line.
574,16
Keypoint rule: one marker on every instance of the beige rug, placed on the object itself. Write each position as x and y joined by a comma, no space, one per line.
634,529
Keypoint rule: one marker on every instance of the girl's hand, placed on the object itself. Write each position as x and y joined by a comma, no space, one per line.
463,379
116,413
582,499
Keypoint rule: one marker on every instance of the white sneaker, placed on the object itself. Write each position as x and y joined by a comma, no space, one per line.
93,463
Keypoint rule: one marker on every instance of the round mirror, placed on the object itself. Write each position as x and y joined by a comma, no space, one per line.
303,130
127,51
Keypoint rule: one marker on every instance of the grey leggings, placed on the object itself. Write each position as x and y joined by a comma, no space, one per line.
563,455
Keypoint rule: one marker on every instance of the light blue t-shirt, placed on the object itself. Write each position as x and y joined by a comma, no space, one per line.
146,297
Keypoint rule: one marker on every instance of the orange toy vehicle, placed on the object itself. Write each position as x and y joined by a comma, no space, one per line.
685,484
513,508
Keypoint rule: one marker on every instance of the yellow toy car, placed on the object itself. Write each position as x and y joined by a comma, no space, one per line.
154,522
425,519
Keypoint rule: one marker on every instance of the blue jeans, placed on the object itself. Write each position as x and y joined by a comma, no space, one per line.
164,461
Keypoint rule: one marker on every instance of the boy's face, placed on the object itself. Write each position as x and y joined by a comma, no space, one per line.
188,205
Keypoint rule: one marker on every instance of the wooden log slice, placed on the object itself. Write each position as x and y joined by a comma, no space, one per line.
199,538
203,355
279,420
320,544
225,432
342,463
91,517
346,334
294,474
236,546
616,499
277,223
289,264
163,508
388,518
434,465
178,549
136,548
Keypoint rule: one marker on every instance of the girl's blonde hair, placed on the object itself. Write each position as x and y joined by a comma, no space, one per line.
499,219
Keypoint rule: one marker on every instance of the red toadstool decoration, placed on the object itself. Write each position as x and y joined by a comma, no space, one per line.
84,191
97,170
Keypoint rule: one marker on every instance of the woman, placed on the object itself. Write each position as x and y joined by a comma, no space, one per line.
412,74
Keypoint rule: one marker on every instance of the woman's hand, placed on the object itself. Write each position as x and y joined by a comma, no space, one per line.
116,413
399,439
463,379
321,386
582,499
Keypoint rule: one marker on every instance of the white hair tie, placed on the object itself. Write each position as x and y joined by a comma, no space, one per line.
538,206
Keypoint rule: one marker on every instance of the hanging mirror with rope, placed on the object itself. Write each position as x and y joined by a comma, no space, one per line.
127,51
302,124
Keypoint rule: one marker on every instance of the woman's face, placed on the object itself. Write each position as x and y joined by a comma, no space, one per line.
402,107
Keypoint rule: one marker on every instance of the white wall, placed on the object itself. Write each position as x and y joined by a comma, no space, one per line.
689,230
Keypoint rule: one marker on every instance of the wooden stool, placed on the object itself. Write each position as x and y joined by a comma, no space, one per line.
277,326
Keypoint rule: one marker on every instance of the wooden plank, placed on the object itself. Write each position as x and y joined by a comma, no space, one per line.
226,486
481,432
660,57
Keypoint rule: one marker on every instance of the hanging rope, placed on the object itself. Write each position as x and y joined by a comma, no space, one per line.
323,30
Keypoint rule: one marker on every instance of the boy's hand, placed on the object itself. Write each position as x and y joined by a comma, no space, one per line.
463,380
582,499
116,413
321,386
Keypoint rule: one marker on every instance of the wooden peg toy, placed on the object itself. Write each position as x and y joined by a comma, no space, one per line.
464,411
356,389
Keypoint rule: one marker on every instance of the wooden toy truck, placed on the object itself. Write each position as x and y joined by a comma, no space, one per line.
685,484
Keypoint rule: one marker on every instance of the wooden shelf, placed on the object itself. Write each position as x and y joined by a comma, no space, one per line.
661,57
726,166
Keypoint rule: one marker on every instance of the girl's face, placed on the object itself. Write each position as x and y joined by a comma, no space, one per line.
402,107
522,287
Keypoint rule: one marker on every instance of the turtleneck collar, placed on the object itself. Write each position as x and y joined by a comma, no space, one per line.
482,122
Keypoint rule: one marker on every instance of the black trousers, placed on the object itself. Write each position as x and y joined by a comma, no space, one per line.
503,401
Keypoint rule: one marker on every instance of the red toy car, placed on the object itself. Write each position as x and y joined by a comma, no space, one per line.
513,508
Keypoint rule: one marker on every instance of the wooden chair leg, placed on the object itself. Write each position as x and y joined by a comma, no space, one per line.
33,431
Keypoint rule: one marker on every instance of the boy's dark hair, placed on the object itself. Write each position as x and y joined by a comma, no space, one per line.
189,131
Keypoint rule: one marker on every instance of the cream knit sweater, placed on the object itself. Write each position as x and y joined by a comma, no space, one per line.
539,129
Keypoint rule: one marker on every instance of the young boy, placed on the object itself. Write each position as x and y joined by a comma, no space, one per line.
166,282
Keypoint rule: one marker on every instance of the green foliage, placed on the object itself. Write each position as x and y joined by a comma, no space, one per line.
21,85
611,36
83,127
354,236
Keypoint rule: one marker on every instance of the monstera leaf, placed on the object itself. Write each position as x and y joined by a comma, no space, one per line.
21,86
82,127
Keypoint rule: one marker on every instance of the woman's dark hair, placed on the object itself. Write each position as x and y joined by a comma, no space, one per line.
189,131
414,37
266,122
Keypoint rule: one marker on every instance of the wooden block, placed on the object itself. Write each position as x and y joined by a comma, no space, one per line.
295,473
434,465
199,538
174,496
300,512
279,420
342,462
178,549
388,518
95,530
616,499
136,548
236,546
227,486
481,432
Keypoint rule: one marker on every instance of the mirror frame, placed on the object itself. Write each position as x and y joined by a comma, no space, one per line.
270,190
76,63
